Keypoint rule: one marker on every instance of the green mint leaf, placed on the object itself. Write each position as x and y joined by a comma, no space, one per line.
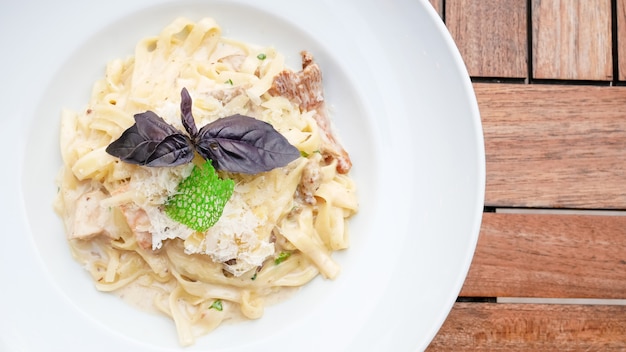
200,198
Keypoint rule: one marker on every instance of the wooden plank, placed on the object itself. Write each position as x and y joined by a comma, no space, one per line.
621,39
438,6
572,39
491,36
549,256
554,146
532,327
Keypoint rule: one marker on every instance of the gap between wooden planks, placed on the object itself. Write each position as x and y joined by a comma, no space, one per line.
554,146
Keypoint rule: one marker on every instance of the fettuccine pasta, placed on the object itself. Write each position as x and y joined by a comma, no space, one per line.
278,229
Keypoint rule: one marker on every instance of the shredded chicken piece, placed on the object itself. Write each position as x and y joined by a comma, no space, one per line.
310,182
139,224
234,60
305,89
228,94
90,218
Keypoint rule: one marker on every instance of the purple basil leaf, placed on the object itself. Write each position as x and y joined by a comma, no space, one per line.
124,146
244,144
235,143
174,150
138,155
185,112
152,142
152,127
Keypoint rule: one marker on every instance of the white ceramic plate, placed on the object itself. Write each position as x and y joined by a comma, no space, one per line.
401,101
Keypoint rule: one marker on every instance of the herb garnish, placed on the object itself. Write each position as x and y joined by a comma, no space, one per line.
217,305
235,143
200,198
261,56
282,256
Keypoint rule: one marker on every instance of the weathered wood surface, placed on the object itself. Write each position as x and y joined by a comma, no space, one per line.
571,39
554,146
532,327
549,255
491,36
557,145
621,38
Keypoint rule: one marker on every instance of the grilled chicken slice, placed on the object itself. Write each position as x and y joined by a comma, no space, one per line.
305,89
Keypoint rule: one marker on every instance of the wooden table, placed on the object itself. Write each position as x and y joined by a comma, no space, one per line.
549,271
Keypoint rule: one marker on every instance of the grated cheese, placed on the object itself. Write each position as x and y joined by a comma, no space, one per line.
238,239
237,235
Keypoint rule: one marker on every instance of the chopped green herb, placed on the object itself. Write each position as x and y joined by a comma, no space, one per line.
229,81
261,56
281,257
253,277
200,198
306,155
217,305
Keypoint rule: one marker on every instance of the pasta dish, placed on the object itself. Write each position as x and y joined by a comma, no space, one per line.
204,178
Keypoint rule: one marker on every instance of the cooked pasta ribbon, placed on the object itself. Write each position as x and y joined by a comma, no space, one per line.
113,211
